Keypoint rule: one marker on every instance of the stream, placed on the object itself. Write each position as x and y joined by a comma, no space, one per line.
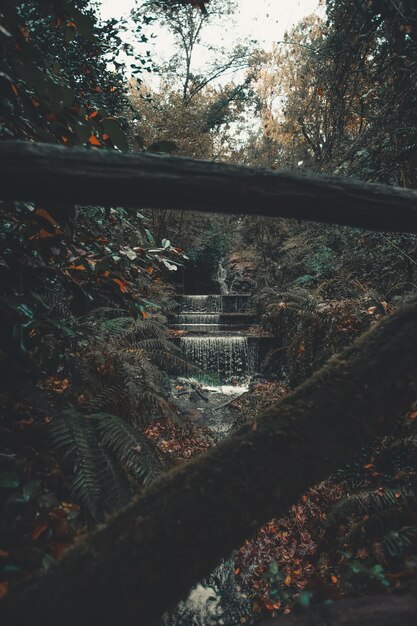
219,343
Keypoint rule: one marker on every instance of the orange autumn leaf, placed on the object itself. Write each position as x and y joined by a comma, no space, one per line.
122,284
94,141
43,213
15,91
81,268
272,606
334,580
44,234
64,139
144,314
106,136
4,589
93,114
27,422
38,530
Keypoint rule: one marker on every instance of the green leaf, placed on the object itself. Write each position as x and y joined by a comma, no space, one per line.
304,599
116,134
32,490
9,479
150,236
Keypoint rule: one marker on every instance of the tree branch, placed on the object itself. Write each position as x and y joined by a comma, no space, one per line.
45,172
148,555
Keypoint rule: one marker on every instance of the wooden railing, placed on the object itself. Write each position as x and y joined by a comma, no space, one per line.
51,173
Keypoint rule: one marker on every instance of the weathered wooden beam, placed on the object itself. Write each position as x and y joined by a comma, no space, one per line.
149,554
46,172
381,610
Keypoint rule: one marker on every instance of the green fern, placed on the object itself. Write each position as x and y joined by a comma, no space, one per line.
133,451
361,520
367,502
397,543
115,482
75,434
105,450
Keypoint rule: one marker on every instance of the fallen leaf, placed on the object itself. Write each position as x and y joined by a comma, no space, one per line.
122,284
4,589
94,141
38,530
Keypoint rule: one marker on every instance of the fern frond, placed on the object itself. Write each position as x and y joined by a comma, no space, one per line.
133,451
396,543
107,399
117,489
76,435
176,364
367,502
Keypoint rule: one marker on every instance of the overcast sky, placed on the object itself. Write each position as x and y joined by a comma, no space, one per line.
263,20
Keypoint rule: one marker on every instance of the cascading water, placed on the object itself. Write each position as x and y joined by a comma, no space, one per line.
221,279
201,304
197,318
211,341
210,344
226,356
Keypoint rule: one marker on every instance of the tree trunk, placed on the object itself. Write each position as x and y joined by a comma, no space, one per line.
148,555
45,172
394,610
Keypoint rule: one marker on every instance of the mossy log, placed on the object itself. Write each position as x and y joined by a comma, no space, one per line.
393,610
148,555
50,173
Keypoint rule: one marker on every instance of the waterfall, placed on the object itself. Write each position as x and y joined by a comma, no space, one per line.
215,339
221,279
227,356
201,304
197,318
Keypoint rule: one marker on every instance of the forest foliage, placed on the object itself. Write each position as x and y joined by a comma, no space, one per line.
85,355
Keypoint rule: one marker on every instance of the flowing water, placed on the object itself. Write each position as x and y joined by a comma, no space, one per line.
216,341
